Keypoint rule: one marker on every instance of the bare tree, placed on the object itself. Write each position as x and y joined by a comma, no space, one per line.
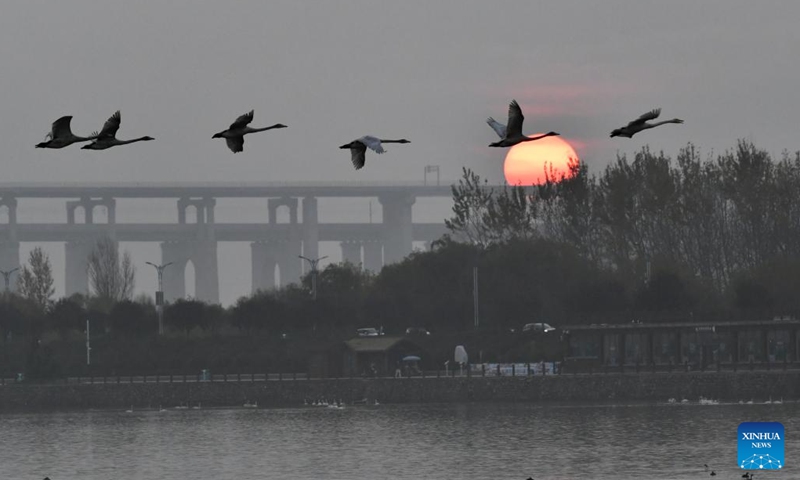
483,215
471,200
110,277
36,282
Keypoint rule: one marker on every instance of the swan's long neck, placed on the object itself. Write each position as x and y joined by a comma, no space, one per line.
134,140
664,122
393,141
537,137
263,129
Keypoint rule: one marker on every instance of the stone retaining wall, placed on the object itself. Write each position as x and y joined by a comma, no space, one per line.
723,386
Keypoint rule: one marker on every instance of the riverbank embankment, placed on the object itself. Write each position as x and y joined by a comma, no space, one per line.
758,386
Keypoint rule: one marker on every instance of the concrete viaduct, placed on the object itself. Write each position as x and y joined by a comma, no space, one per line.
272,243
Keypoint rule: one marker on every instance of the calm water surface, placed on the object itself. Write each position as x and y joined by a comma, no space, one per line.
473,441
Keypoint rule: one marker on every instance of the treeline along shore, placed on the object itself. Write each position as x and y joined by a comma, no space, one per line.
650,239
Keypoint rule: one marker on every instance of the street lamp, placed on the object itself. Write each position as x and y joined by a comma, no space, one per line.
7,277
88,345
314,262
160,294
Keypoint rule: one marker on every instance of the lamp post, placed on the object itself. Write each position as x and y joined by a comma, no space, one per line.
7,277
160,294
313,262
88,345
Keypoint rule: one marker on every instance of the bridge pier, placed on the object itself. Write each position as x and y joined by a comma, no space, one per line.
398,227
206,271
201,251
9,260
373,256
175,275
76,279
291,268
266,254
9,246
310,231
351,252
203,255
287,255
263,257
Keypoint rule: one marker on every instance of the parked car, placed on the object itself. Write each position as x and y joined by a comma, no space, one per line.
417,331
537,328
369,332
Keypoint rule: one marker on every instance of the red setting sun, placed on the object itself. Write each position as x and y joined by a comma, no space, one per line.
525,162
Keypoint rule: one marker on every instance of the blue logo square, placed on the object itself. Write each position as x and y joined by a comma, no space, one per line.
761,446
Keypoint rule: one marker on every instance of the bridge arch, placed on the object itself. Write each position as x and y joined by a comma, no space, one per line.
289,202
82,211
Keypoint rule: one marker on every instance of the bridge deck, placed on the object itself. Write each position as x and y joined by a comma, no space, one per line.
220,190
226,232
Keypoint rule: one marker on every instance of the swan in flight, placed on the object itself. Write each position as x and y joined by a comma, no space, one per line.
512,134
61,135
640,124
107,137
234,135
358,148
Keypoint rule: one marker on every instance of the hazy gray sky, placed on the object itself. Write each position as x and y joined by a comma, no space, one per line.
427,71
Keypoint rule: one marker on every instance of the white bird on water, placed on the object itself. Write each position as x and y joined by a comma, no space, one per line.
358,148
636,126
234,135
512,134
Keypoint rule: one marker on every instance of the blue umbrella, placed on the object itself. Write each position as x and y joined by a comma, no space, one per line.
411,358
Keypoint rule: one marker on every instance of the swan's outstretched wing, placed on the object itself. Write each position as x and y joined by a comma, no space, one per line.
243,120
358,155
236,144
373,143
515,118
61,127
111,126
498,127
652,114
